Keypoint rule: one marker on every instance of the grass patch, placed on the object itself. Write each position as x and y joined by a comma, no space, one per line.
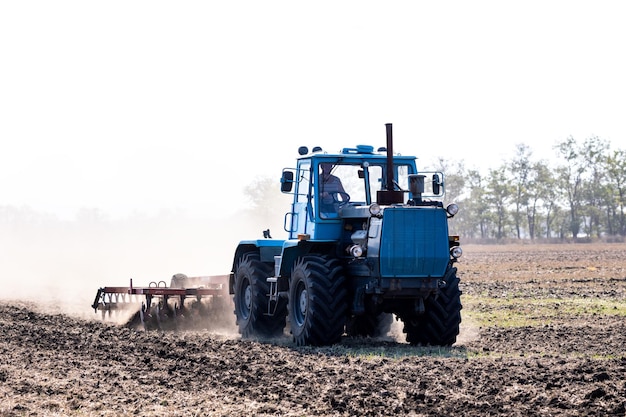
371,349
398,352
522,312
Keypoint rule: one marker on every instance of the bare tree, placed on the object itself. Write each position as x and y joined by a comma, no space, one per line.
473,216
520,169
499,193
540,192
616,173
544,190
571,179
593,153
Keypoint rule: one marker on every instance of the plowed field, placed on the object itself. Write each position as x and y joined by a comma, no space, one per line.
543,333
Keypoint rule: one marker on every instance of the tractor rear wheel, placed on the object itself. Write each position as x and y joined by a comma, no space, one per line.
439,325
251,300
317,301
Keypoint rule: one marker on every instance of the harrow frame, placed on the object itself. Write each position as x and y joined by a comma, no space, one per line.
155,298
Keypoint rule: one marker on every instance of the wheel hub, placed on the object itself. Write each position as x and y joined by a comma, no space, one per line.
247,298
303,302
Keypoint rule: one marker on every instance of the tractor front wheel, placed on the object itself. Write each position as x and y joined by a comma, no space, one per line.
317,301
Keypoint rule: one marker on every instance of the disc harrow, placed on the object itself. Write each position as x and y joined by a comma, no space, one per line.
189,302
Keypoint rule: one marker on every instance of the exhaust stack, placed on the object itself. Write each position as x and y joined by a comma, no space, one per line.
389,196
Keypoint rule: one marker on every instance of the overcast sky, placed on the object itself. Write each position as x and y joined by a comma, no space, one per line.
142,105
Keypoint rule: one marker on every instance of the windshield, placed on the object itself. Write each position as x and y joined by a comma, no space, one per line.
340,184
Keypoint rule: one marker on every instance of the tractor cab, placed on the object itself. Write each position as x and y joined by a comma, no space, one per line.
327,187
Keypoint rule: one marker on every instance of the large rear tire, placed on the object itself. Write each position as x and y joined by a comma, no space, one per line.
317,301
439,325
251,300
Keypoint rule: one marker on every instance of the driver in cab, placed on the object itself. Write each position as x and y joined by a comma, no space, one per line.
331,190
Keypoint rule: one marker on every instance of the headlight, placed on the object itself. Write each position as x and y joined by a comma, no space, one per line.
452,209
356,251
456,252
374,209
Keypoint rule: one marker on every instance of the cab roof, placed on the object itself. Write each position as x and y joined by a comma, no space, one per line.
358,153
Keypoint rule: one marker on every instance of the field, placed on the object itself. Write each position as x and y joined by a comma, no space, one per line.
543,334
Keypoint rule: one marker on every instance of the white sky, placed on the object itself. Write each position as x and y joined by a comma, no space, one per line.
142,105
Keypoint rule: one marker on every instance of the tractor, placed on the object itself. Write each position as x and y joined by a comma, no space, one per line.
368,241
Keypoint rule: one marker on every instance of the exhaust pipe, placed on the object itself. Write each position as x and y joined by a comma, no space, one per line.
388,195
389,179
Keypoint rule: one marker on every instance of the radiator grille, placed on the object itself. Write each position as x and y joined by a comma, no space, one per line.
414,242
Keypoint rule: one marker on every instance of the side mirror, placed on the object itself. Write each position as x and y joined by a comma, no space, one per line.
286,181
436,184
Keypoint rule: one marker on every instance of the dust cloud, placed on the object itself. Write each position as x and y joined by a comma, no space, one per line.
469,331
61,264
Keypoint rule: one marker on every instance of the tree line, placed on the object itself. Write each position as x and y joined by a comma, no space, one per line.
583,196
579,195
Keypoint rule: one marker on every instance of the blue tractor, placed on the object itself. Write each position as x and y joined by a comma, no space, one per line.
366,242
